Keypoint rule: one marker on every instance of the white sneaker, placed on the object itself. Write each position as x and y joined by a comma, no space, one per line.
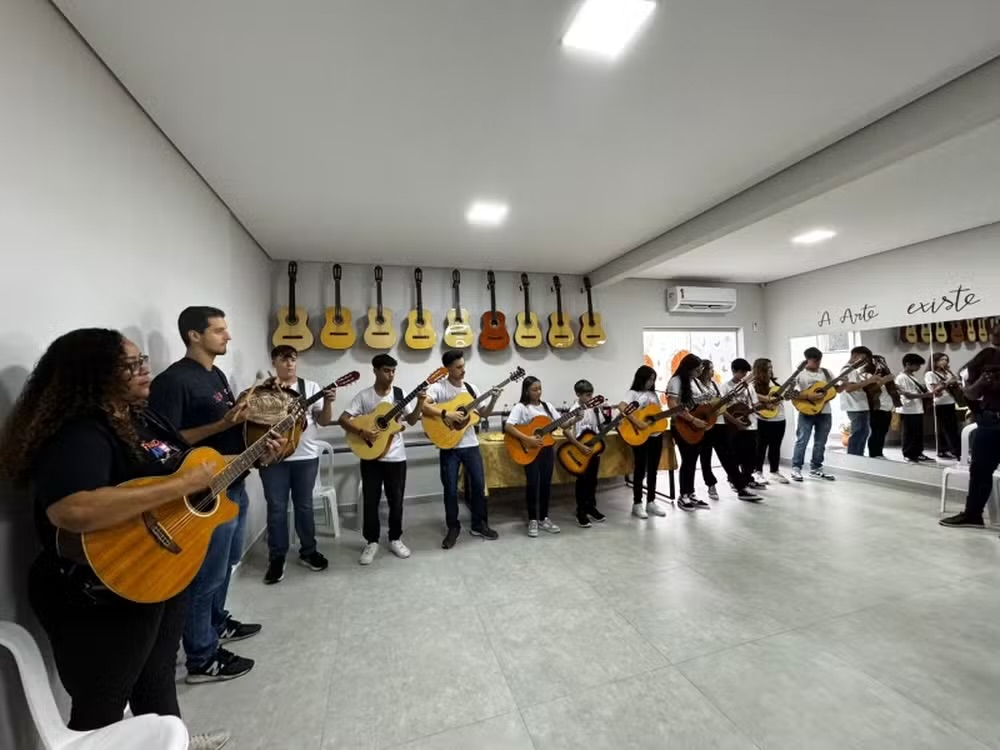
653,509
368,553
532,528
796,475
778,477
639,510
547,525
209,741
399,549
713,493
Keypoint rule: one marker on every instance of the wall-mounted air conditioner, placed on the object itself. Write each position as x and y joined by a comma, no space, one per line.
700,299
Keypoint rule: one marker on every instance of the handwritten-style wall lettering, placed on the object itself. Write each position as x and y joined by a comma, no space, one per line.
954,300
861,314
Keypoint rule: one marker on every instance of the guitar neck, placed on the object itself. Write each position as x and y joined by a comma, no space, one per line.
590,307
378,299
246,460
493,303
527,304
420,304
398,408
336,296
458,306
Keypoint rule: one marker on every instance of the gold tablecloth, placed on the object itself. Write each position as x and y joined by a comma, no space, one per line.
616,461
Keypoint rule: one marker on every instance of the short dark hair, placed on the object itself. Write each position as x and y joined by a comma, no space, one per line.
284,350
740,365
862,350
383,360
451,356
583,386
913,359
196,319
812,353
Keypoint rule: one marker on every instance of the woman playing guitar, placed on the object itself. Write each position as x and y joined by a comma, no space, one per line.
539,472
647,455
681,389
770,430
941,379
717,440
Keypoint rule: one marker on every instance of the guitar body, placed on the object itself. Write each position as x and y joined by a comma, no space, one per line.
689,432
635,437
592,333
984,331
458,333
573,460
380,334
374,422
910,335
493,336
296,335
440,433
970,331
808,407
940,333
956,332
253,431
770,412
926,335
419,334
338,334
144,568
518,451
560,332
527,335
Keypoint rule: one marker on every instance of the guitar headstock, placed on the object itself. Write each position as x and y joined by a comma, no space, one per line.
439,374
418,275
293,270
338,272
630,407
586,283
456,278
491,280
556,284
378,274
351,377
517,374
525,283
594,402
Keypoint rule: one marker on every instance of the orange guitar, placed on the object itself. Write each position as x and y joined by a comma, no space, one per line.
707,413
542,428
493,336
576,461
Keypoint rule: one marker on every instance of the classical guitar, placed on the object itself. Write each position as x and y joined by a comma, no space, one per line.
984,331
970,331
560,331
873,391
940,332
338,331
446,436
576,461
527,335
385,422
156,555
910,335
293,322
591,331
801,402
380,333
458,332
420,332
542,428
781,392
493,336
655,420
956,331
926,335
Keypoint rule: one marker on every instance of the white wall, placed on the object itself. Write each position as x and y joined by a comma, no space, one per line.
101,224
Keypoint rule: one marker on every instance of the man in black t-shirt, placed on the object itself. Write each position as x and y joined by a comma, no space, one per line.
195,397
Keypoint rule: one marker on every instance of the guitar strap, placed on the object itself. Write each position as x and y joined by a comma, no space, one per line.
397,395
547,410
302,388
472,393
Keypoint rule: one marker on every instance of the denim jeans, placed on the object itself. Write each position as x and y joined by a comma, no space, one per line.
472,460
297,478
860,429
207,613
818,427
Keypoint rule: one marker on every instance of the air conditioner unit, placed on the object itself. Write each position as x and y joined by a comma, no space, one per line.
700,299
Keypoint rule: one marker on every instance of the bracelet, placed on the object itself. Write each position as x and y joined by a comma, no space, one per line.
443,413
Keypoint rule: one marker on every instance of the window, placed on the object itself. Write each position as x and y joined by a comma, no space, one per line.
664,348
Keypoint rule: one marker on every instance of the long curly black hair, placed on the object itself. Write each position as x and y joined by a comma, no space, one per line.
80,375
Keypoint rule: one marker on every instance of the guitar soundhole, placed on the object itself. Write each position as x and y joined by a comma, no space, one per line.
382,423
339,321
203,502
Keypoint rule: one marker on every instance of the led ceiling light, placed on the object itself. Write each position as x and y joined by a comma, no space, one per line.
813,236
605,27
487,213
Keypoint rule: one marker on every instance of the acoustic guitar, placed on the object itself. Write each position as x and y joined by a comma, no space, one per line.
527,334
543,429
809,408
493,336
420,332
971,335
575,461
458,332
984,331
940,332
926,335
781,392
293,321
956,331
380,333
591,331
445,436
385,422
560,331
910,335
338,331
156,555
656,419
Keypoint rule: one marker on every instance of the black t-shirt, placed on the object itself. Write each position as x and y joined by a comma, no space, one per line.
190,396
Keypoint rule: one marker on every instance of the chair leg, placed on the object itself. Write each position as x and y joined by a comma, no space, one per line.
944,491
334,512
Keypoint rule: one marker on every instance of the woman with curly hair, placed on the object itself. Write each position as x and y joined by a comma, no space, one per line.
79,428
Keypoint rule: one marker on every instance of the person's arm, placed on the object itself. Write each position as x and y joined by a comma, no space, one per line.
324,416
414,416
488,409
528,441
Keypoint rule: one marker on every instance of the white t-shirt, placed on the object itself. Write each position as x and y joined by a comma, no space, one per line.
646,398
779,417
700,389
885,400
747,396
524,413
932,378
807,378
307,448
909,384
443,391
365,402
589,420
857,400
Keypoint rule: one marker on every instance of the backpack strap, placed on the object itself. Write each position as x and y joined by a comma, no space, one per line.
469,389
397,394
547,409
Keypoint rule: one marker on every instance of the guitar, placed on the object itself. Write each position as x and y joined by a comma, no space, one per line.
542,428
560,332
957,332
493,336
576,461
458,333
293,322
380,333
385,422
527,334
940,333
591,331
910,334
444,435
874,391
984,331
338,331
926,336
704,411
800,400
780,392
970,331
155,556
420,332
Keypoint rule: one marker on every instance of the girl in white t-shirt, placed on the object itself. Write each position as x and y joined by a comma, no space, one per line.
715,439
945,415
770,430
647,455
682,389
539,472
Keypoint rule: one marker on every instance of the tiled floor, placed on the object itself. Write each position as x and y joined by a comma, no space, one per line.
835,615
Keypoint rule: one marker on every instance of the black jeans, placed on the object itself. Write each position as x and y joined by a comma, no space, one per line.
913,435
744,443
539,487
647,464
717,439
586,487
947,430
689,461
769,437
374,476
881,420
108,652
985,450
472,460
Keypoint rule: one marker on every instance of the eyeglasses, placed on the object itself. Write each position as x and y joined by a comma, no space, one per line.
137,365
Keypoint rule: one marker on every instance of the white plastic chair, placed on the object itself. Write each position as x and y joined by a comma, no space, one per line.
325,491
963,468
149,731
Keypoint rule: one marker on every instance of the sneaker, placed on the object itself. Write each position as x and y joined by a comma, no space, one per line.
758,477
757,485
684,502
234,630
748,496
275,571
314,561
796,475
911,461
368,553
596,516
653,509
486,533
713,493
532,528
547,525
449,539
399,549
225,665
582,521
821,474
923,459
946,456
209,741
639,510
778,477
700,504
961,520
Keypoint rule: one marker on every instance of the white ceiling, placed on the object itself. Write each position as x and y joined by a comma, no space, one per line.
359,130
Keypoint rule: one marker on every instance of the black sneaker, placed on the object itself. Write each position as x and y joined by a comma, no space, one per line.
314,561
700,504
582,521
450,538
234,630
275,571
485,532
757,486
686,503
748,496
596,516
963,521
923,459
947,456
225,665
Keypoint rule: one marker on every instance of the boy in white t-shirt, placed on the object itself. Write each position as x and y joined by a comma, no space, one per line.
855,399
816,426
913,394
743,432
586,484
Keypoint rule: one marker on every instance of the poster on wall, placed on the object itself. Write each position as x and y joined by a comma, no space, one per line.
664,349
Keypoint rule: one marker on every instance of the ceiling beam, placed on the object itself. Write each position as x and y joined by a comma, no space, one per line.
958,107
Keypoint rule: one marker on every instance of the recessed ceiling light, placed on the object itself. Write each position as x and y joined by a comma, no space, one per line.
487,213
605,27
813,236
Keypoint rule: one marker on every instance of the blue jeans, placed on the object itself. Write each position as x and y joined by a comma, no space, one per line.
819,427
297,478
860,429
471,459
207,613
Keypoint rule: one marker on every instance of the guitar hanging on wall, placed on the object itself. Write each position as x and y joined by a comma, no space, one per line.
338,331
970,331
380,333
527,335
493,336
940,332
984,331
926,335
591,331
909,334
957,331
420,332
293,321
560,331
458,333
